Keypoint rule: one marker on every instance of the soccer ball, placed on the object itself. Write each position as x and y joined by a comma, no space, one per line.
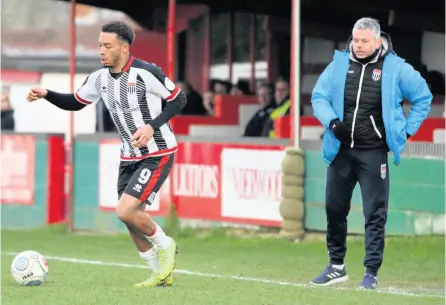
29,268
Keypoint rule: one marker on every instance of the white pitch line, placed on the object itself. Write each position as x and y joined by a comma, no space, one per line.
390,290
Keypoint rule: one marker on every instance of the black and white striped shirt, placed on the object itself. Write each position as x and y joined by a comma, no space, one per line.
133,98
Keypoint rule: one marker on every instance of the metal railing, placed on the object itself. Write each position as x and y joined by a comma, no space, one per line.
425,150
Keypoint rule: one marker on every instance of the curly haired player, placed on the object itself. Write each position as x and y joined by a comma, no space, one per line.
133,91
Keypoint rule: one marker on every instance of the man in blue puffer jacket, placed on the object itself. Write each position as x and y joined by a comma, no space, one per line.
358,99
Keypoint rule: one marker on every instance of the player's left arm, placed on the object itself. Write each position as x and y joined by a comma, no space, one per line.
164,88
414,88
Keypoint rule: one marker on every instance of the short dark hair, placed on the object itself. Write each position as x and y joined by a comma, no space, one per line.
282,79
121,29
268,86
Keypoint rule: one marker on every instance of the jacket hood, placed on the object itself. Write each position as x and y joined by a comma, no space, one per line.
387,46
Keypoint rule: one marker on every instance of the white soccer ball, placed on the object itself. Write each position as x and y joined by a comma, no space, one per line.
29,268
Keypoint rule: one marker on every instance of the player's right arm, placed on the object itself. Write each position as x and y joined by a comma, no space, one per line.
87,94
321,98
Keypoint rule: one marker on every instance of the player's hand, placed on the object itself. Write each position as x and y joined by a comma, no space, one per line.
36,93
142,136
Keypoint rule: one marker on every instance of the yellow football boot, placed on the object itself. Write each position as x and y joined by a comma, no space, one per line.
166,260
152,281
167,282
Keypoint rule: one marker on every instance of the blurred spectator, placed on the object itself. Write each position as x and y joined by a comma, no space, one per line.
236,91
254,127
7,115
241,88
221,87
208,102
194,104
283,102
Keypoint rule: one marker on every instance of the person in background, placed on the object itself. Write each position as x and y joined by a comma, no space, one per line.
255,125
194,104
236,91
7,112
241,88
221,87
283,102
208,102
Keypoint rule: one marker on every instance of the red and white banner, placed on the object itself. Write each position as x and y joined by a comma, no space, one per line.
17,169
210,181
251,183
228,183
196,189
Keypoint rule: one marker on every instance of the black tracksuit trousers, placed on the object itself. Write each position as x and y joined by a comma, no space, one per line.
369,167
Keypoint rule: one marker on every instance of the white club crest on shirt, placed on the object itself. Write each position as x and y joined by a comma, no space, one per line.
169,84
376,75
131,87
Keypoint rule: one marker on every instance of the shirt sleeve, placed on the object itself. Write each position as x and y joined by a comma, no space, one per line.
90,91
161,85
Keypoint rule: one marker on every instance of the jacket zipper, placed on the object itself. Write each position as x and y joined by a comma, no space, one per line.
358,96
374,127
